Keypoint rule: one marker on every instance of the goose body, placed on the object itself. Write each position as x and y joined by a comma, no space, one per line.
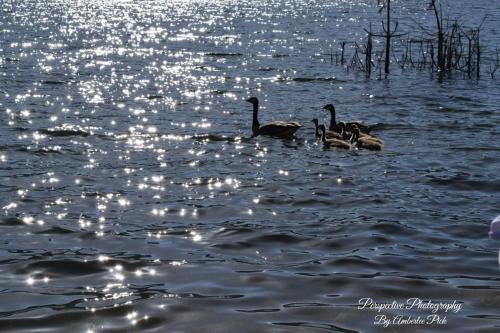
277,128
328,134
365,136
333,122
336,143
364,142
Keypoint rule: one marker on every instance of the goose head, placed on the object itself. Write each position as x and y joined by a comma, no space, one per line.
343,127
351,127
322,128
329,107
253,100
315,121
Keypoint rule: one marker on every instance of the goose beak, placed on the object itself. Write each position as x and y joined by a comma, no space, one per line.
248,100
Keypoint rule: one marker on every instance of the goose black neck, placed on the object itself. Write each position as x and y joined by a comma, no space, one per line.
255,123
333,122
323,135
317,130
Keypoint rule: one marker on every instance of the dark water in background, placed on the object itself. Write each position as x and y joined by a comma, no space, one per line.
128,213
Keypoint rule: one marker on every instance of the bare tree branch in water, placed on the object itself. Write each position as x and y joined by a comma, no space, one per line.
496,66
452,48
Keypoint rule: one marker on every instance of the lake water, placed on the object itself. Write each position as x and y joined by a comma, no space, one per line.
133,198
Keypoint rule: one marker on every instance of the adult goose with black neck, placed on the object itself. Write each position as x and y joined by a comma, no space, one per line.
277,128
335,127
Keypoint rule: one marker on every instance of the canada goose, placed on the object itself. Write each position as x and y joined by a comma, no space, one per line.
342,127
329,134
336,143
364,135
363,142
277,128
333,122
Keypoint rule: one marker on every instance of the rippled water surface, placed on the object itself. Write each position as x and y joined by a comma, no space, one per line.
134,199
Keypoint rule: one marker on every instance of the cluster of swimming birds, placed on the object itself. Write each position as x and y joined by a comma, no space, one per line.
341,134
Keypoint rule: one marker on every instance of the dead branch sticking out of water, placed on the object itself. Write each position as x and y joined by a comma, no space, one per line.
388,34
452,48
495,67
